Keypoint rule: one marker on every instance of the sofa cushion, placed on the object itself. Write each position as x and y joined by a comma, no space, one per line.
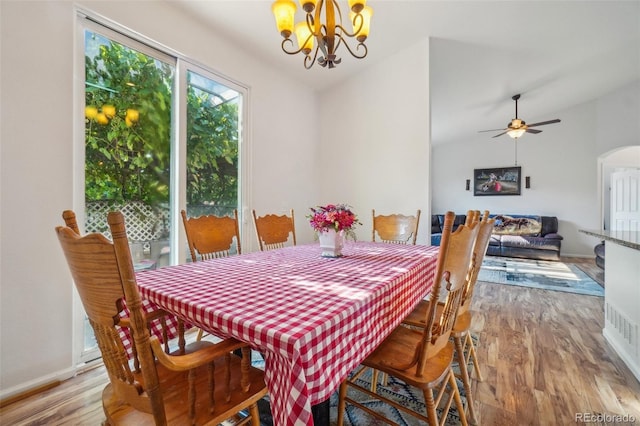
549,225
524,241
494,240
517,225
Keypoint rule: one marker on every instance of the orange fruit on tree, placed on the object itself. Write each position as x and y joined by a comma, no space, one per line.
109,110
90,112
133,115
101,118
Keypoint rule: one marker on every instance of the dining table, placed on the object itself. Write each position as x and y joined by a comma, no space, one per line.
313,318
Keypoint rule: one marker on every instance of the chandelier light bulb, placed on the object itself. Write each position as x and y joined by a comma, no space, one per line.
284,11
304,37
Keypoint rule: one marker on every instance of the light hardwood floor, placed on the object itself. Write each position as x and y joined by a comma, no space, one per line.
545,359
543,355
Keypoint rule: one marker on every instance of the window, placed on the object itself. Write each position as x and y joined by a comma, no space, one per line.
143,107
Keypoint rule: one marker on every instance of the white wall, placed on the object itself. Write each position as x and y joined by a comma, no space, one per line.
620,106
562,162
36,169
375,140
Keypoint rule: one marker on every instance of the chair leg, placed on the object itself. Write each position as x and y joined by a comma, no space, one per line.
464,373
457,399
341,402
471,354
431,407
200,333
374,379
181,340
255,415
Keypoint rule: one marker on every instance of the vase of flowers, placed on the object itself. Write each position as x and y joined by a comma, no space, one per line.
333,223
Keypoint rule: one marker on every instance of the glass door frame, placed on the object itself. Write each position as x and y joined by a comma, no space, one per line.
179,171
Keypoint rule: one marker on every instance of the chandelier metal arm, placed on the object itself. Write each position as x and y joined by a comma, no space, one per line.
357,17
355,55
308,62
290,52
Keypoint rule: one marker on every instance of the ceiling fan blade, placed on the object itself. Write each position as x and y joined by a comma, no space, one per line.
542,123
500,134
492,130
534,131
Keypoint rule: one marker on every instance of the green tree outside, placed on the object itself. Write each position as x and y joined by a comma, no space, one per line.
128,132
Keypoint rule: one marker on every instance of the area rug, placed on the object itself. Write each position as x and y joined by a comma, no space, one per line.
541,274
394,389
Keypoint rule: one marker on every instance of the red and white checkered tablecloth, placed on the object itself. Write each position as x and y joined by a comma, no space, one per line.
314,319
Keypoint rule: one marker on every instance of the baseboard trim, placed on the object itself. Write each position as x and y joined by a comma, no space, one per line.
25,390
30,392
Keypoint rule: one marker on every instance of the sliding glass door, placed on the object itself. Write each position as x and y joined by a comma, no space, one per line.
143,107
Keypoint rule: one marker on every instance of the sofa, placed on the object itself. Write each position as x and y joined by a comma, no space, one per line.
523,236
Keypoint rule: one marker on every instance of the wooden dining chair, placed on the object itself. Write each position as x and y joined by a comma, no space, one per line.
69,217
208,384
159,315
461,333
274,231
211,236
395,228
422,358
471,217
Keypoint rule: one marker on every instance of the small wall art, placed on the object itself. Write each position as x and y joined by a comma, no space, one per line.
497,181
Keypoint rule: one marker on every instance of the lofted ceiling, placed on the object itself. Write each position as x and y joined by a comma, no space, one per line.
557,54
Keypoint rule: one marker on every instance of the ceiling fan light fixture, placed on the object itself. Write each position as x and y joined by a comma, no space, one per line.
516,133
517,127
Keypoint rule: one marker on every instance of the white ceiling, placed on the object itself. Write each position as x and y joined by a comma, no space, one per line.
557,54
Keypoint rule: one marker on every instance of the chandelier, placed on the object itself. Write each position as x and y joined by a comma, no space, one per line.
314,35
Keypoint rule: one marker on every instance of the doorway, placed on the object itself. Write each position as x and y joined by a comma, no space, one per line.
620,158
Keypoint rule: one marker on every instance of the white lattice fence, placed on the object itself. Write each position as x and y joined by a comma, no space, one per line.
144,223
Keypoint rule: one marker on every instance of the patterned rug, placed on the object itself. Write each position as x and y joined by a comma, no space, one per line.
541,274
394,389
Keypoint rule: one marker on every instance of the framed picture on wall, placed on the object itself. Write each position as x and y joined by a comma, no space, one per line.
497,181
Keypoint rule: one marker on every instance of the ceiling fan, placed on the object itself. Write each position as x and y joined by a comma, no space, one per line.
518,127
